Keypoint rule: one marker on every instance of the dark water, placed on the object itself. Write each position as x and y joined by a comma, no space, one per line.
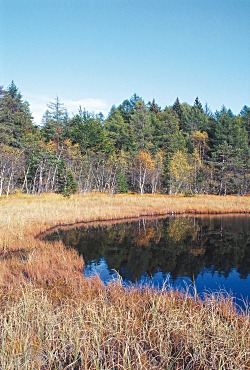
212,252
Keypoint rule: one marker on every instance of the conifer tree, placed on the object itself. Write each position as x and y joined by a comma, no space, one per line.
15,117
177,108
53,122
154,108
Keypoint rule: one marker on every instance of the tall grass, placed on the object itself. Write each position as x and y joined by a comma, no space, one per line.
25,216
116,329
51,317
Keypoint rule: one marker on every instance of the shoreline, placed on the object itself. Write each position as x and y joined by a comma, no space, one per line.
107,222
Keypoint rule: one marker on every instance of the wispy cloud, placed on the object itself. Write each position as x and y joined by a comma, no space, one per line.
38,105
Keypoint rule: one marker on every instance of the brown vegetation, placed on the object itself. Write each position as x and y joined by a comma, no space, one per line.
53,318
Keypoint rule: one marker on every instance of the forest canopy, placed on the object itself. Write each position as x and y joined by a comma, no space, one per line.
139,147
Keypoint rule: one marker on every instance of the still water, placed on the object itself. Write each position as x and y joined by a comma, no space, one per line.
212,253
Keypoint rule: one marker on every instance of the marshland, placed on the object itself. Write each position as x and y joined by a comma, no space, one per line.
124,185
52,317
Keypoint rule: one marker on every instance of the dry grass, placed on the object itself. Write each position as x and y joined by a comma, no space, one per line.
25,216
116,329
53,318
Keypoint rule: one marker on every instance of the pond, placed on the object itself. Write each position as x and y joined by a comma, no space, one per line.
210,252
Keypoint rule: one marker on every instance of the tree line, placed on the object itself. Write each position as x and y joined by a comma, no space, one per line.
139,147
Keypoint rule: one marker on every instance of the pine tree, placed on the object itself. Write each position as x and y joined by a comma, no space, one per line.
54,121
118,130
122,183
141,128
15,117
177,108
71,185
198,105
245,115
154,108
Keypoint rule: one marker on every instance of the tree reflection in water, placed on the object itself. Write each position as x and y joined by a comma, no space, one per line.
179,246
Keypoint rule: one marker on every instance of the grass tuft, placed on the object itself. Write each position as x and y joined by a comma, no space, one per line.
116,328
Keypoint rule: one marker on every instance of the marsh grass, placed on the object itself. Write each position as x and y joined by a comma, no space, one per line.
51,317
23,217
114,328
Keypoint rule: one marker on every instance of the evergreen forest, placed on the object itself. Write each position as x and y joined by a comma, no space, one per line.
139,147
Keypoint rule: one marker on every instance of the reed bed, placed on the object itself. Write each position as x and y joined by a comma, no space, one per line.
24,216
51,317
116,329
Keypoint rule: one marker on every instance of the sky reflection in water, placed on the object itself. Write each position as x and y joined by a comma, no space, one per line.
212,252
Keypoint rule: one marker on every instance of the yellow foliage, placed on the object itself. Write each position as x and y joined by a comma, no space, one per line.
180,228
143,238
200,141
145,160
51,146
180,168
197,158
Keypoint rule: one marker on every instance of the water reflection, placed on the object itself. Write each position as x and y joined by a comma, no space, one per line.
213,251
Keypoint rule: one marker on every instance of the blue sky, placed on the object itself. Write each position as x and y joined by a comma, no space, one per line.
99,52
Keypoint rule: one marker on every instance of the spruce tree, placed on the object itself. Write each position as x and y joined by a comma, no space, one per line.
177,108
15,117
71,185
